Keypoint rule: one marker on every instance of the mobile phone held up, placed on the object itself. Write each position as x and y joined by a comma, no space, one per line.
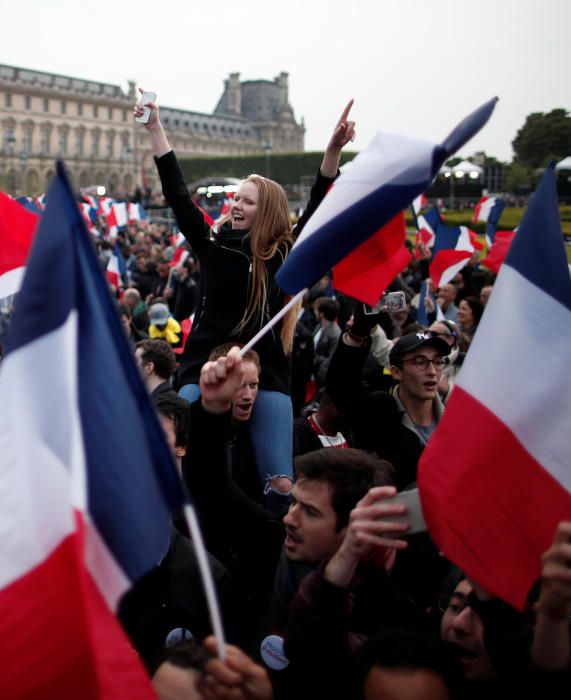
390,303
413,514
146,97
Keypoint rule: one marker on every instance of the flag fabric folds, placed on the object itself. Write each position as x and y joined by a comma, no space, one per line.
87,482
453,247
370,268
498,250
381,182
17,229
495,477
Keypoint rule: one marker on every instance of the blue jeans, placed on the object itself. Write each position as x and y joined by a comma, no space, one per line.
271,431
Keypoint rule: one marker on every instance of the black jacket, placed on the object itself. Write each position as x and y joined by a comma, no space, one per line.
375,417
226,268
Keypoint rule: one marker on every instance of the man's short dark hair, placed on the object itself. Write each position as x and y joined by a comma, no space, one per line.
177,409
350,472
329,308
160,353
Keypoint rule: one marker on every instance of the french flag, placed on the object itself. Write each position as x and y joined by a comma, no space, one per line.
495,477
489,209
17,228
87,490
453,248
116,268
136,212
425,236
381,182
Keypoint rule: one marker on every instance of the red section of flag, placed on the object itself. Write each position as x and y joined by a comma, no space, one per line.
446,263
60,637
499,250
465,487
17,228
474,240
367,271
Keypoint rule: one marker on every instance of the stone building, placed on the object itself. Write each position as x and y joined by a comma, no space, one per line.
89,125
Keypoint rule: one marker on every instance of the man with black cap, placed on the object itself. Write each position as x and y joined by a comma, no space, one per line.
396,426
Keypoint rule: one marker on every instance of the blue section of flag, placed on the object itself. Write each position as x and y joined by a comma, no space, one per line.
132,482
120,260
464,131
446,238
538,250
421,315
433,218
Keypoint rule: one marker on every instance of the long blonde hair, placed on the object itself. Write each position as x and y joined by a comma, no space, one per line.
270,235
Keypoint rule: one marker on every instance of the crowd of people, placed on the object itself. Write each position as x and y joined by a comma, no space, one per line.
293,454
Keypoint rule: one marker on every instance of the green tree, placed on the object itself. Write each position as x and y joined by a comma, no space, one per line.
543,137
518,177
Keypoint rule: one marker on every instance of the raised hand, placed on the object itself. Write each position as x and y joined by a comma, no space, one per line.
220,380
138,111
343,132
370,527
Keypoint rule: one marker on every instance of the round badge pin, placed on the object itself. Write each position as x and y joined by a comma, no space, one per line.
272,651
176,635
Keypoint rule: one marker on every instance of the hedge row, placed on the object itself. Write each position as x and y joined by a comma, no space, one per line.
285,168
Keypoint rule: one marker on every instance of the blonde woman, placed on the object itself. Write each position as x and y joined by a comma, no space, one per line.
238,295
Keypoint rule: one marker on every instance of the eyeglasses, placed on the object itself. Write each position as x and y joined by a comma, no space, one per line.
422,362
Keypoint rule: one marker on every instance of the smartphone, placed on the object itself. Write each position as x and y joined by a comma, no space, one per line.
391,302
146,97
413,514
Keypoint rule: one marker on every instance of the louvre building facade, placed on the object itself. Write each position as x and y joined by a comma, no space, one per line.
45,117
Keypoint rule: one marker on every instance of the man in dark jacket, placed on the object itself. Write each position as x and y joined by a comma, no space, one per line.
397,426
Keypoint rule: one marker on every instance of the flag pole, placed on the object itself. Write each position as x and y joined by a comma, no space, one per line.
272,322
207,580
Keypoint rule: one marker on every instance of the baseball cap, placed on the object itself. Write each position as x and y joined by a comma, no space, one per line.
412,341
159,314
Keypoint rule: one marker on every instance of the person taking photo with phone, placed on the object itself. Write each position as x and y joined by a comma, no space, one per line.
238,295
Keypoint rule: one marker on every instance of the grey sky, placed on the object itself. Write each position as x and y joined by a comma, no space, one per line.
413,66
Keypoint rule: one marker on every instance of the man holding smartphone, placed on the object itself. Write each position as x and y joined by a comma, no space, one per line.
396,426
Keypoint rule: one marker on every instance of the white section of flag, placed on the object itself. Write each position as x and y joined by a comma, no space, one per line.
11,281
533,397
451,272
40,446
464,240
389,159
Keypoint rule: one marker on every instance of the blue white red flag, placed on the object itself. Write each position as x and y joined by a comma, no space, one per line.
453,248
495,477
17,228
489,209
87,490
381,182
116,268
136,212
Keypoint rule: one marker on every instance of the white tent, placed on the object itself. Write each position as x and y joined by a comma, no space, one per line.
466,168
564,164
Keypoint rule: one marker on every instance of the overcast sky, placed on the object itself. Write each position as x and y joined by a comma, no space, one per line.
413,66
